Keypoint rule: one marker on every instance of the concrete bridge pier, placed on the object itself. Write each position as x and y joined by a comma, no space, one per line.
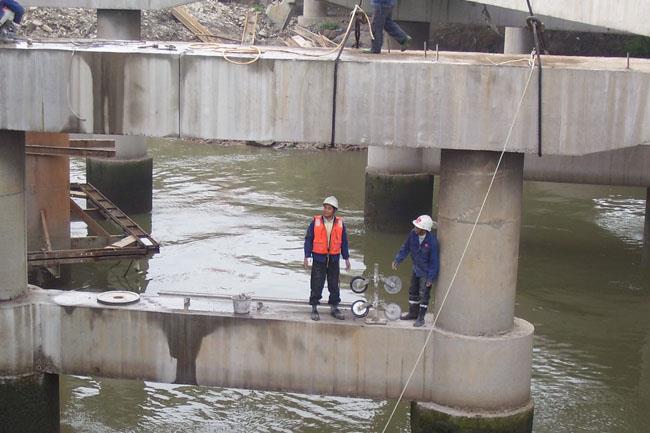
397,188
480,305
313,12
29,402
127,179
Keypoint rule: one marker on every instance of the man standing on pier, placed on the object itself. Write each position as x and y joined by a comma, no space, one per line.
325,242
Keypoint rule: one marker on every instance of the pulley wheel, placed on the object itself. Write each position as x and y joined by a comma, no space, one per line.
392,311
360,308
392,284
118,297
358,284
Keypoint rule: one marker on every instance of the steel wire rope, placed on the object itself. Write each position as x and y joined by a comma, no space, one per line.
469,240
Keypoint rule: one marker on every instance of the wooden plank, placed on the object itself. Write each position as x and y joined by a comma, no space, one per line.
46,232
123,242
302,42
250,28
93,143
317,39
93,226
36,149
185,17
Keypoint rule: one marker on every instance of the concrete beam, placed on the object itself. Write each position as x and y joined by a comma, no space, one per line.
106,4
275,348
626,167
464,101
490,13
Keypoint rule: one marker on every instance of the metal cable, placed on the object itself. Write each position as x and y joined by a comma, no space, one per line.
537,27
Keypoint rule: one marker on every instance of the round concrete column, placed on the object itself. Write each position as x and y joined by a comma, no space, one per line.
485,354
313,12
118,24
13,253
482,299
127,179
397,188
518,40
30,404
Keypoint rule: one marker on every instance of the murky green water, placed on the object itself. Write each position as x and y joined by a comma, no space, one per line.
233,219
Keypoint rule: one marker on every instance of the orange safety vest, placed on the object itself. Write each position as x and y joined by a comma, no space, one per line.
320,236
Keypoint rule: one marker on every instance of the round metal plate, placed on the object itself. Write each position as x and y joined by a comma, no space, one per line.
360,308
392,284
358,284
393,311
118,297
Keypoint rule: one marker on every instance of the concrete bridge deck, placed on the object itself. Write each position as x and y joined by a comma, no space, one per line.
461,101
276,348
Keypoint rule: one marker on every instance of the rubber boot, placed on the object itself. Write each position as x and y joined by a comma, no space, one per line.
412,314
420,320
314,313
335,312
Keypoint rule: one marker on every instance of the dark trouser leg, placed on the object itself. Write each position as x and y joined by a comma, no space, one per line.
414,299
318,274
424,292
378,23
393,29
333,272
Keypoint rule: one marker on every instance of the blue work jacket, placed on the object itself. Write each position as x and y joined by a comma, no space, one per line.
309,244
376,3
425,256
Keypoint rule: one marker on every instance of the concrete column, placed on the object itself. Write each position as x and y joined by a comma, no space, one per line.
30,403
127,179
518,40
479,308
13,241
397,188
118,24
646,230
313,12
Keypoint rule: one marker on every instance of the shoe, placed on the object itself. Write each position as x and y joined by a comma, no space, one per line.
314,313
335,312
420,320
405,43
412,314
370,51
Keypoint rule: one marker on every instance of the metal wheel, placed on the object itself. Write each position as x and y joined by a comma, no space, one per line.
392,284
393,311
360,308
358,284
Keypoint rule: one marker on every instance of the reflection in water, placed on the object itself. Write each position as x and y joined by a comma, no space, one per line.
232,219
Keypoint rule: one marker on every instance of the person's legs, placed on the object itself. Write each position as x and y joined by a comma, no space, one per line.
16,8
425,293
333,274
393,29
6,16
414,299
378,22
317,282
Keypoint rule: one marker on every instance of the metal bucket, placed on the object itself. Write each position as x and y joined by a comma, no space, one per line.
241,304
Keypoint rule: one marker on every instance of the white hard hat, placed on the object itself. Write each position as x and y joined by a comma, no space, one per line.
332,201
423,222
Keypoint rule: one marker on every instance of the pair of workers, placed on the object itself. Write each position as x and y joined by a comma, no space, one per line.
326,241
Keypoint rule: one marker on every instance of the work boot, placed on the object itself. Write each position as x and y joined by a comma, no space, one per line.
413,312
335,312
405,43
420,320
314,313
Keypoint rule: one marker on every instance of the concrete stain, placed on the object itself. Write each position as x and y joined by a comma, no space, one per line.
185,334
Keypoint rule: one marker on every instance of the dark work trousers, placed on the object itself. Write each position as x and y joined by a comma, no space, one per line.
419,293
382,20
319,272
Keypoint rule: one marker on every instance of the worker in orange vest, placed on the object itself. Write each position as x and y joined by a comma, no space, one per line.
325,242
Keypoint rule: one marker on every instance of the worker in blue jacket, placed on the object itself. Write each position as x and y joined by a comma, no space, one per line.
423,247
382,19
10,10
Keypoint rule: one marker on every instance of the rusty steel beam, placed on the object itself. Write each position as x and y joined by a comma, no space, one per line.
93,143
37,149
